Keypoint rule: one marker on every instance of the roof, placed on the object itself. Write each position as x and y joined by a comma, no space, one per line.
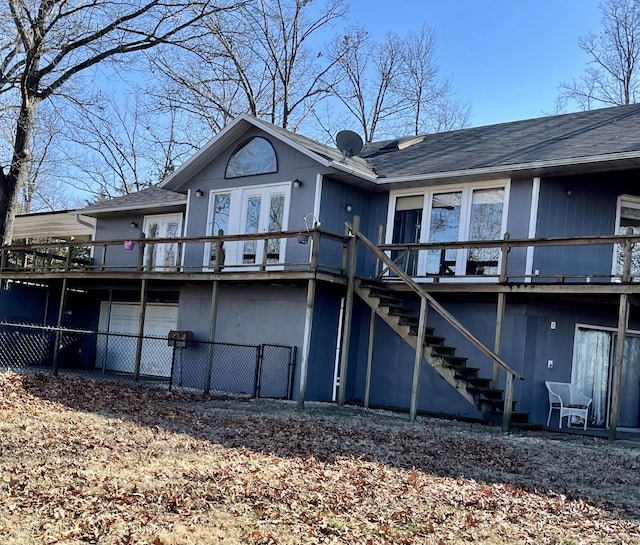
588,141
153,197
62,225
324,155
572,139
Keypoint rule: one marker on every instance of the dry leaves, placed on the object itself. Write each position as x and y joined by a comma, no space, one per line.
107,463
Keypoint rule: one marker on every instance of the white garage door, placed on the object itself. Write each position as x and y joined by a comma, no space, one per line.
118,353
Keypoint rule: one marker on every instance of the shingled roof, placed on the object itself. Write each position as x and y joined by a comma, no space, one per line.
556,140
151,197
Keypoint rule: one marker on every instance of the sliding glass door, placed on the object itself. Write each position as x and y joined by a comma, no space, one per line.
592,371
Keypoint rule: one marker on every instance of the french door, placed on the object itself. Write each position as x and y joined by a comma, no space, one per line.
251,211
162,257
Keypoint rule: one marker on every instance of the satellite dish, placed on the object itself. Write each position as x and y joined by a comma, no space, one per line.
349,143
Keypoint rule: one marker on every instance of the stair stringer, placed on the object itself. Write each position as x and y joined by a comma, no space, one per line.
435,361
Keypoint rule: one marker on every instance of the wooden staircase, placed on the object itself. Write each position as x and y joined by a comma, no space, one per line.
398,314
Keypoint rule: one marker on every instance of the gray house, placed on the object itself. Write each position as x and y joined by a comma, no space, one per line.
510,249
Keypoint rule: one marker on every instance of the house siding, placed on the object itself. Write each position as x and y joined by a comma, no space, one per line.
590,210
370,206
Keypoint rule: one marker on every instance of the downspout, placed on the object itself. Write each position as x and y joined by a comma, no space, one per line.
85,223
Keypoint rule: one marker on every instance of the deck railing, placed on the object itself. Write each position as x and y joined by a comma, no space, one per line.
607,258
313,250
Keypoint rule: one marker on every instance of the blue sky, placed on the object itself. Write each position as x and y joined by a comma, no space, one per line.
506,57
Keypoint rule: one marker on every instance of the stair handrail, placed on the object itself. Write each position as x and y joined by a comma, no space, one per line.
434,304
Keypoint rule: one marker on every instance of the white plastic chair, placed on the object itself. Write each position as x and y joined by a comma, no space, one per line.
567,399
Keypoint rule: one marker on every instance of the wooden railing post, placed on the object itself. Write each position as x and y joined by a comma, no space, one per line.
265,248
508,403
628,251
141,247
348,310
315,249
382,233
505,249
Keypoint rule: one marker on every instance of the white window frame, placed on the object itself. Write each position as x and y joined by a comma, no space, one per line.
634,201
467,190
233,250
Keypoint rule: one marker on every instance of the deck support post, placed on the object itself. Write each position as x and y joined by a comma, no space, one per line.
306,342
213,318
623,318
56,346
352,250
417,364
143,309
497,346
372,334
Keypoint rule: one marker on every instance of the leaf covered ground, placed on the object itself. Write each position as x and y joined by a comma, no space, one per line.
87,461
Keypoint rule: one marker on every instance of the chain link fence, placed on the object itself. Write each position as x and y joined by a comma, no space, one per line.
215,368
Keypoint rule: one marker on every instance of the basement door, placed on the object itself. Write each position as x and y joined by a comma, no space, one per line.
592,370
117,352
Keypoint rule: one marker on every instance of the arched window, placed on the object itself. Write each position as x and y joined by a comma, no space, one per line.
255,156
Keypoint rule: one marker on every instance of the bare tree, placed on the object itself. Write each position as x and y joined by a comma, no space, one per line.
259,60
47,43
429,96
611,78
394,86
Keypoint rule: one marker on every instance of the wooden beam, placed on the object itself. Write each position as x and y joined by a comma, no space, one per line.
56,347
143,308
348,309
372,337
213,319
417,364
623,321
497,346
306,342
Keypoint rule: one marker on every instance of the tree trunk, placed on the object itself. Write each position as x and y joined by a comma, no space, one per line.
11,182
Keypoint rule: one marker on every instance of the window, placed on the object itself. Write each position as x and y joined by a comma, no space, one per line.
466,213
628,221
255,156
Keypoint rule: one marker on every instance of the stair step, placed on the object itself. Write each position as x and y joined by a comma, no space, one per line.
455,362
443,351
476,382
401,312
492,394
464,372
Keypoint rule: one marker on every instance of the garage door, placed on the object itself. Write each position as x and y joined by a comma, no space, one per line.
118,352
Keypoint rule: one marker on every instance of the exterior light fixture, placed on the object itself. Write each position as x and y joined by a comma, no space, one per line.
348,208
199,193
297,183
133,225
